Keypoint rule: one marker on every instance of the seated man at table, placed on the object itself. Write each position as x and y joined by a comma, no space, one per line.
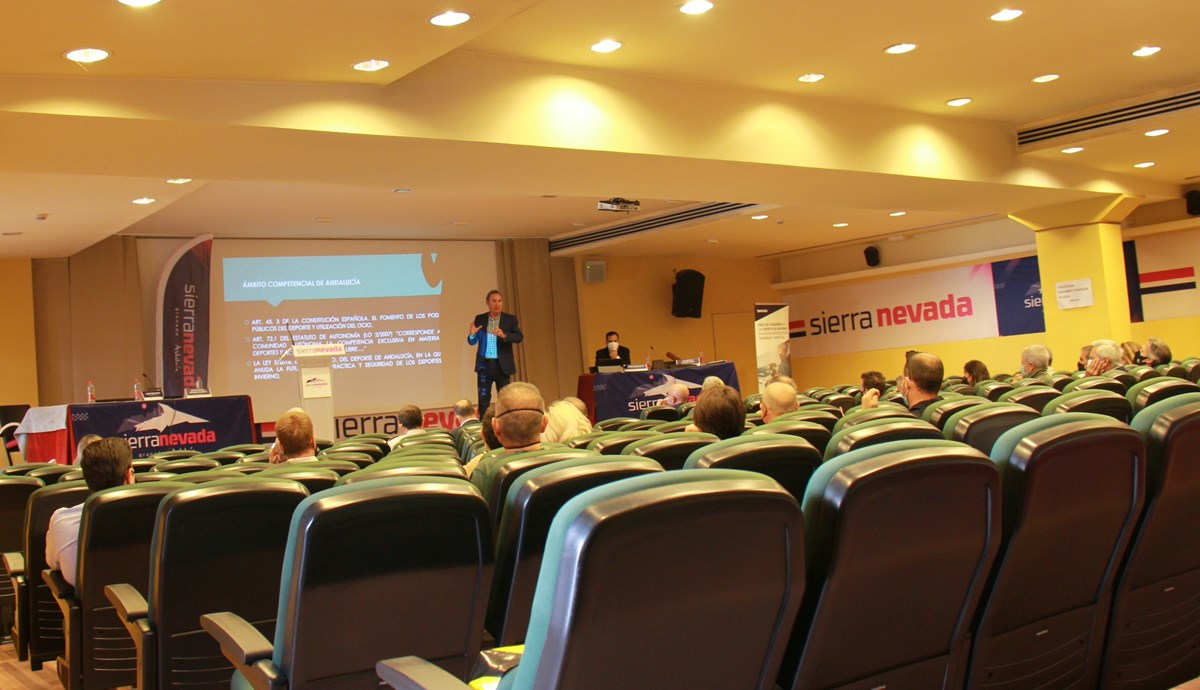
613,349
294,438
106,463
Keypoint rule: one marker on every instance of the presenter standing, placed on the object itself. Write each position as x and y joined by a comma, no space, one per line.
494,333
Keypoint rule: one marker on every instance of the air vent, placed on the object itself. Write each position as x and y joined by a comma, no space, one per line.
626,229
1108,118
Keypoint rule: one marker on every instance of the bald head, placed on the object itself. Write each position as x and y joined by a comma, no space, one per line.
778,398
677,394
925,372
520,415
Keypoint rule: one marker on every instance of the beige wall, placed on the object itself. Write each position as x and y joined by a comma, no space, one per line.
18,355
635,301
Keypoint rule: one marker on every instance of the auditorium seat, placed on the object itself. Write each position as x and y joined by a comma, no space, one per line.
1058,380
153,477
1125,378
174,454
1151,391
38,628
257,457
1173,370
981,425
663,413
992,390
144,464
248,467
596,624
313,479
206,476
429,438
1101,401
613,423
1095,382
188,464
824,418
840,401
671,449
938,411
789,460
1034,396
375,450
1192,369
1156,608
225,457
360,459
614,442
900,539
247,448
685,409
424,449
342,467
639,425
408,468
424,456
820,407
753,402
529,507
671,427
50,472
14,496
74,475
1141,372
501,475
371,570
216,547
114,547
814,433
1073,489
880,431
884,411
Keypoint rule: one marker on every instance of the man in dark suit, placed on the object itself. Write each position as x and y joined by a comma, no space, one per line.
613,349
494,332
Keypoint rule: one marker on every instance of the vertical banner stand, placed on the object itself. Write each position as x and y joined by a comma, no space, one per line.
316,384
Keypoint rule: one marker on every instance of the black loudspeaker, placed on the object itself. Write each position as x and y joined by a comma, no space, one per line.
1193,202
872,256
687,294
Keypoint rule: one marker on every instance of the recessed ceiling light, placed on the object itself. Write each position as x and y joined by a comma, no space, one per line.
713,241
696,7
761,216
958,102
1157,132
179,180
1072,149
371,65
897,214
810,78
450,18
144,200
841,225
86,55
900,48
1006,15
1147,164
138,3
402,190
1044,78
606,46
1146,51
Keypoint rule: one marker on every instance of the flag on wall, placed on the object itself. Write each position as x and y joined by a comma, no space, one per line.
1161,274
181,344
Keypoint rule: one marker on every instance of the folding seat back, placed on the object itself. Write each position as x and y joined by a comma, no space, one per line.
685,409
409,468
821,407
639,425
980,426
941,410
992,390
1073,489
900,538
1191,368
1156,607
880,431
613,423
35,620
418,451
789,460
1034,396
1173,370
614,442
529,507
671,427
50,473
72,476
174,454
1146,393
884,411
595,620
114,547
225,457
1058,380
504,474
824,418
247,448
1142,373
187,464
1124,377
582,440
816,434
1093,401
663,413
671,449
209,476
1088,383
375,450
840,401
360,459
313,480
371,570
216,547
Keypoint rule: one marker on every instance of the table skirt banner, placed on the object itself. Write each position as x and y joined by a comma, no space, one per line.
628,393
203,424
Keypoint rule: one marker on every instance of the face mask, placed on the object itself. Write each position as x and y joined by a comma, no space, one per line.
1081,367
1139,359
613,345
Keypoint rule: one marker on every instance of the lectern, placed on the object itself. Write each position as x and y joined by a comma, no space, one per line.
316,384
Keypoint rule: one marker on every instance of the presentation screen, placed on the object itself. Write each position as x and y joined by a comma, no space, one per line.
402,309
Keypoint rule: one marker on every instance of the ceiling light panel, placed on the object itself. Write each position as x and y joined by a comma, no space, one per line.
450,18
606,46
86,55
1006,15
900,48
696,7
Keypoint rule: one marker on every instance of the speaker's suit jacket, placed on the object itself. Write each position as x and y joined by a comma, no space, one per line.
504,350
622,354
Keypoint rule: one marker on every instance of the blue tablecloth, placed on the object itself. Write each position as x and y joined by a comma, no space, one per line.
628,393
203,424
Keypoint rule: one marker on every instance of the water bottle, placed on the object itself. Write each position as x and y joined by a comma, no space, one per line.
700,356
199,383
91,392
137,389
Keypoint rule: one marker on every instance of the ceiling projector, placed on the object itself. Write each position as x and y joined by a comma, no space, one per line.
618,204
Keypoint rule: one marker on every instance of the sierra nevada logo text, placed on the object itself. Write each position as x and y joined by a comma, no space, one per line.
900,315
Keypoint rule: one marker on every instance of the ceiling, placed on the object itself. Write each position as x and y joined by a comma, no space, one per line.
509,126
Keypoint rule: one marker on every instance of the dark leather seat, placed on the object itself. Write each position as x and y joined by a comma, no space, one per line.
15,491
880,431
360,459
1073,490
50,473
900,537
185,465
981,425
174,454
614,442
669,450
530,505
822,417
1146,393
1087,383
216,547
375,450
992,390
114,547
595,622
613,423
884,411
247,448
225,457
816,434
406,468
1156,607
1033,395
38,628
789,460
663,413
941,410
313,479
500,475
1094,401
371,570
1124,377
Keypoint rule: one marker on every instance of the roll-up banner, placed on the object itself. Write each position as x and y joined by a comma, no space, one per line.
771,341
182,330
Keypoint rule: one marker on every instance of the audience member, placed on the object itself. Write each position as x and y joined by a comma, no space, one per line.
1131,353
294,438
490,442
873,380
780,378
719,410
519,423
1035,362
410,418
677,394
564,421
106,463
1155,353
778,398
975,371
84,442
465,417
579,404
920,384
1084,353
1105,356
710,381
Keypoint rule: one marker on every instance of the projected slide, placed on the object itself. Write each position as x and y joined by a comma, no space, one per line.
401,310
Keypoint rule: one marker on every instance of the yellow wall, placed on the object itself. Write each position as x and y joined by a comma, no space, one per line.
635,301
1182,335
18,354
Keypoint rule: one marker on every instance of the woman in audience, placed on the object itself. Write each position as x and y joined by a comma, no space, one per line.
84,443
1131,353
564,421
720,411
975,371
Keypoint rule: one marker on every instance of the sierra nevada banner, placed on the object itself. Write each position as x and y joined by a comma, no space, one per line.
182,328
980,301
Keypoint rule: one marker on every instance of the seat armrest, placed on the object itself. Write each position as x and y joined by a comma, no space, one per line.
15,562
63,593
413,673
134,614
240,642
129,602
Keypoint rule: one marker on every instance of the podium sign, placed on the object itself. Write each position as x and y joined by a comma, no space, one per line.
316,384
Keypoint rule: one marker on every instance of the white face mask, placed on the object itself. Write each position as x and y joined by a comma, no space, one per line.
613,346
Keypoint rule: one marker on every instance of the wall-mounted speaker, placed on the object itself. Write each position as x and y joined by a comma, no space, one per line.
1193,202
593,271
687,295
871,254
